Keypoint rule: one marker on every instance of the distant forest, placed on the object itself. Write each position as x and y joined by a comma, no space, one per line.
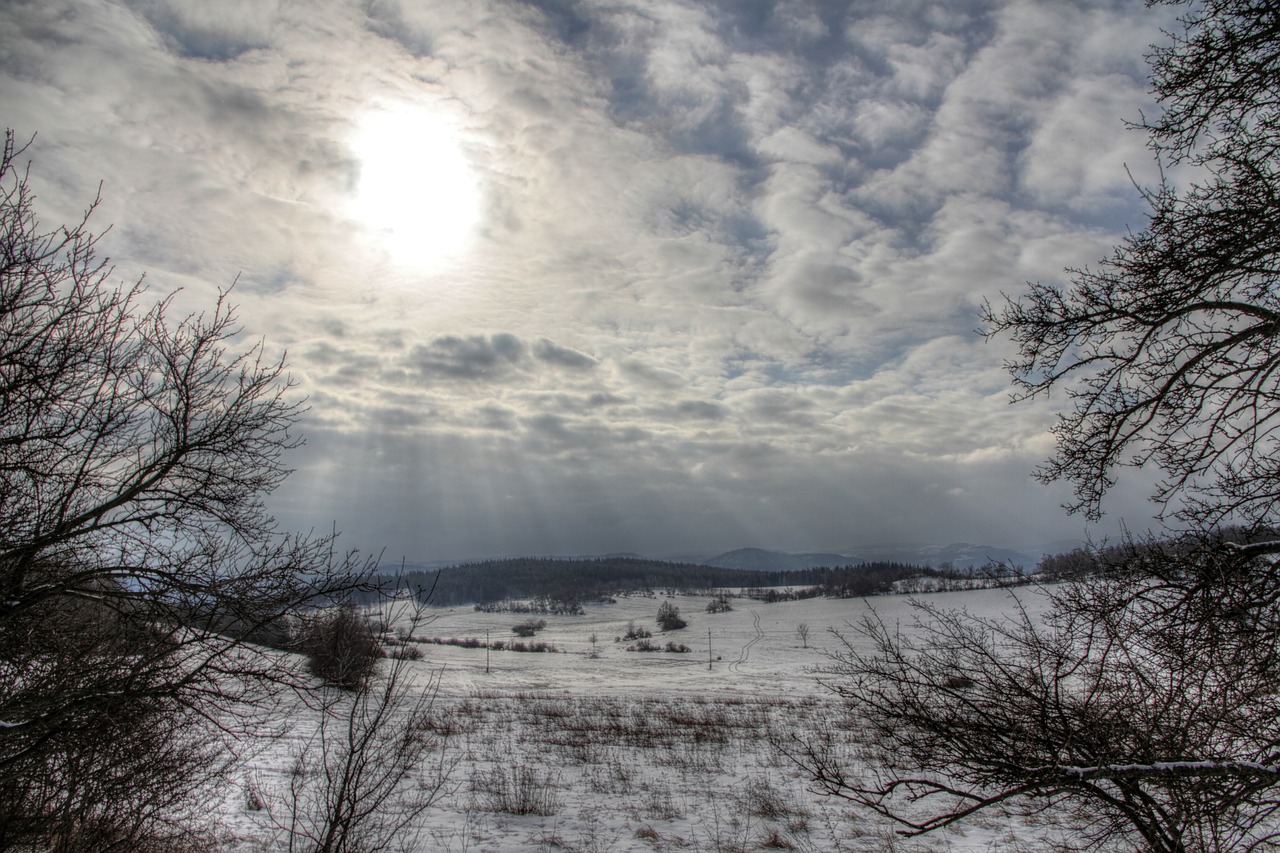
566,583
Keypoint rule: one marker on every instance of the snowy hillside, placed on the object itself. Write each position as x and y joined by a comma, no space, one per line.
597,748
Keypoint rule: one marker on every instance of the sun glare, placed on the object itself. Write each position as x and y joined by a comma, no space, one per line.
416,189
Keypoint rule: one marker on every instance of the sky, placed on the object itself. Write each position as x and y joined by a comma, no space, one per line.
597,276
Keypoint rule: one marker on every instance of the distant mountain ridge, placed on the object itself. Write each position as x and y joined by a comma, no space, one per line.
760,560
960,555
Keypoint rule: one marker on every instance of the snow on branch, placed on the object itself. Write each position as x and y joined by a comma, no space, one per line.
1171,768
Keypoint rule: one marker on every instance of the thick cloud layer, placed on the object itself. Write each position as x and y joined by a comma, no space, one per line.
723,286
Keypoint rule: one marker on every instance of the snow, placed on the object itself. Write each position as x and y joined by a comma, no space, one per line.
629,751
1197,768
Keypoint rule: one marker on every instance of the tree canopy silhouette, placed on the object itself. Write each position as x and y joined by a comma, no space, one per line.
137,556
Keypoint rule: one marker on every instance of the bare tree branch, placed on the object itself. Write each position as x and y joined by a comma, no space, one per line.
138,562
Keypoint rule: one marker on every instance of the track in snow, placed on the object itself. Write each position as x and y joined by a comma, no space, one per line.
746,650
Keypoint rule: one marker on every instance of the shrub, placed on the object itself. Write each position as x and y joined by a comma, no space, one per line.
341,649
522,790
669,617
407,653
529,627
634,633
673,646
719,604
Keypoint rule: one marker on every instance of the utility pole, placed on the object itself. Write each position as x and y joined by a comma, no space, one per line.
708,650
486,651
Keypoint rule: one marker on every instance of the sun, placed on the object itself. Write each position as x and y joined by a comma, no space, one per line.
417,191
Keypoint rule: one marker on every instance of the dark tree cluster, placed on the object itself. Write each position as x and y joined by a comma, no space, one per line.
562,586
668,618
541,606
720,604
529,627
341,647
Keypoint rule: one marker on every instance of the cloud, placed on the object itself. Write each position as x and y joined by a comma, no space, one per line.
650,377
490,358
700,410
331,364
497,418
218,31
727,274
570,359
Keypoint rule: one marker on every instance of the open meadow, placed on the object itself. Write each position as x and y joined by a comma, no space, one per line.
595,747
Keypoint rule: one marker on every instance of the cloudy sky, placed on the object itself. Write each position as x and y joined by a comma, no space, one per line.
584,276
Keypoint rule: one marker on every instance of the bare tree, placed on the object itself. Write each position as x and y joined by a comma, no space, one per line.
372,766
802,634
135,453
1139,701
1168,348
115,772
1133,711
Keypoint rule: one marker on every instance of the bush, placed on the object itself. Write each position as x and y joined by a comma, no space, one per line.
520,790
529,627
719,604
341,649
634,633
669,617
407,653
539,646
673,646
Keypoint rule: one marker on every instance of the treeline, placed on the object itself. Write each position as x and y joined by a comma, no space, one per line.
1137,554
570,583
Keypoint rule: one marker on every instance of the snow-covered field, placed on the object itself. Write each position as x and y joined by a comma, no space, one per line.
615,750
